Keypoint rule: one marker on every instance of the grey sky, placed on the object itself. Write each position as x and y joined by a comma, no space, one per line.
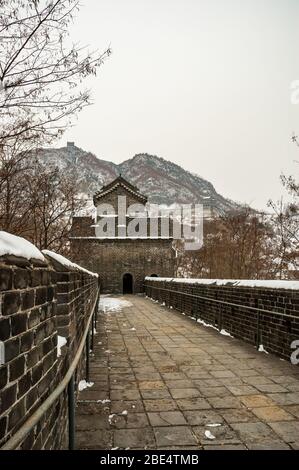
203,83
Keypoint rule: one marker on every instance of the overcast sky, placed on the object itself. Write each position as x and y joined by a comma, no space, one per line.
203,83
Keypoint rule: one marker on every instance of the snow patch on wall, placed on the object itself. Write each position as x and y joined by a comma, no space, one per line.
270,284
18,246
66,262
61,341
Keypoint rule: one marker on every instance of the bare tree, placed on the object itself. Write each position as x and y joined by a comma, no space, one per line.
285,220
38,202
14,168
236,245
41,72
42,78
53,203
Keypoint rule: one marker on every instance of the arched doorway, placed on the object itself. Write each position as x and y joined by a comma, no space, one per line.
154,275
127,283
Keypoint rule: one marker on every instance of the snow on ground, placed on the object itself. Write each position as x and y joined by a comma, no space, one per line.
207,325
113,304
270,284
209,435
61,341
83,385
262,349
113,418
18,246
66,262
225,333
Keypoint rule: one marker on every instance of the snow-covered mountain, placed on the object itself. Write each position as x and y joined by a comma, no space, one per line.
162,181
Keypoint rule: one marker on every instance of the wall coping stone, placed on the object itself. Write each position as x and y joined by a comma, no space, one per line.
62,264
259,284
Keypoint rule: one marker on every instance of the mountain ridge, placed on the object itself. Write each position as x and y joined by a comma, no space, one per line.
163,181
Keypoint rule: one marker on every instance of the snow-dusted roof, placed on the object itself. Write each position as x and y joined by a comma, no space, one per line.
270,284
119,182
18,246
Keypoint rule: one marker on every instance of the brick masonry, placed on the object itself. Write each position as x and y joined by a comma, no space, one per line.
38,302
275,332
112,258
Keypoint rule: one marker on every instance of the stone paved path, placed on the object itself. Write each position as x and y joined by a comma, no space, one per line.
162,381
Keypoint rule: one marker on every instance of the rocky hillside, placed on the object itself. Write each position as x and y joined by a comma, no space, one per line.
162,181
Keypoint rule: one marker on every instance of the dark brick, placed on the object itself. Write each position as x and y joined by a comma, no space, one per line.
53,277
37,263
40,333
33,357
16,415
41,296
12,349
8,397
51,310
47,346
16,260
16,368
43,313
63,309
27,299
5,279
21,278
11,303
64,298
50,327
50,293
44,384
63,277
63,321
31,398
63,287
3,376
37,373
18,323
33,318
27,341
35,277
46,277
24,384
4,328
3,425
48,362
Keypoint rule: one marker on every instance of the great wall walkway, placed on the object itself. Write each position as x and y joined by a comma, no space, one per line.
162,381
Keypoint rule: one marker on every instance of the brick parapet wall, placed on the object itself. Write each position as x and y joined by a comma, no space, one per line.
76,292
39,301
275,332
